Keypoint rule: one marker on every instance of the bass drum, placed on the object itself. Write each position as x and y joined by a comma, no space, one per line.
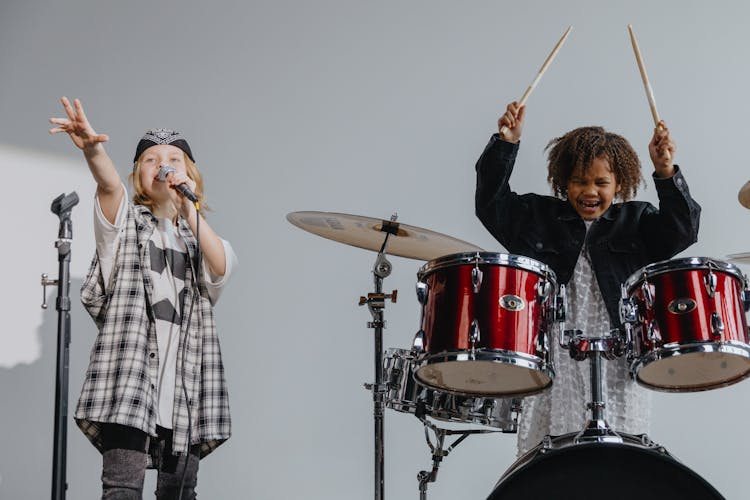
634,469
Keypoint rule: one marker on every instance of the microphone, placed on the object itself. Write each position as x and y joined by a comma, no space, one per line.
164,172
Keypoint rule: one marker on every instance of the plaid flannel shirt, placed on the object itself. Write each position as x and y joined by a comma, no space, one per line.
119,386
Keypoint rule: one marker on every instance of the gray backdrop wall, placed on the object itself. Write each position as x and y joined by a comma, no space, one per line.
357,107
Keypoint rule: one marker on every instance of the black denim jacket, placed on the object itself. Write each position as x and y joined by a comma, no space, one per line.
627,237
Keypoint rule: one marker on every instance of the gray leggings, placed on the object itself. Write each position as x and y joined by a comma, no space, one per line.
124,462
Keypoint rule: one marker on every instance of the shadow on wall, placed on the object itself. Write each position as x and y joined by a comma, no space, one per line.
28,409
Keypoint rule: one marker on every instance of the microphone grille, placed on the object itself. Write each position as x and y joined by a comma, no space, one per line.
164,171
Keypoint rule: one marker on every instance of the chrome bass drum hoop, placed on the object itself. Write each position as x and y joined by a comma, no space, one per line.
606,470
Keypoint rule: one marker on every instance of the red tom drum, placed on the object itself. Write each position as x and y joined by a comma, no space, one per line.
688,325
485,323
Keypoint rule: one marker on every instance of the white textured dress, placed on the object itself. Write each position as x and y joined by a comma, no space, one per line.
561,409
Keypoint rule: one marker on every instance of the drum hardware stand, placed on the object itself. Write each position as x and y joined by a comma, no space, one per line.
438,452
62,207
609,346
376,303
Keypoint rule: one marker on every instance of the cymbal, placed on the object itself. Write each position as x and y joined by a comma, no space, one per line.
744,195
739,258
366,232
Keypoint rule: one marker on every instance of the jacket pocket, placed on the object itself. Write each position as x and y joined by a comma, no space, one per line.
626,256
537,245
625,246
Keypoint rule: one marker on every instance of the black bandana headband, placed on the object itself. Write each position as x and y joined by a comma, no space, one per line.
157,136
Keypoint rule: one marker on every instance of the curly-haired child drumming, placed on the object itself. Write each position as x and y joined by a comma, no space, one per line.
154,393
593,244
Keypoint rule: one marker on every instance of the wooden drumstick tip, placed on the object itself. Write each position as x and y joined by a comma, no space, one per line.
542,70
744,195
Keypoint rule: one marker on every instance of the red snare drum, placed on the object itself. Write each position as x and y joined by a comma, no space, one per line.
484,328
688,325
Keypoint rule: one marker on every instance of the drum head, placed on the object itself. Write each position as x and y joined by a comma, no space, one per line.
594,471
696,371
501,377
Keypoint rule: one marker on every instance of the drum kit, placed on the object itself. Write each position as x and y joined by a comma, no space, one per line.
486,326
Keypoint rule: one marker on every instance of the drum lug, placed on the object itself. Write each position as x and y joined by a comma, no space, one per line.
647,295
710,281
474,334
543,289
746,299
628,311
653,334
417,346
423,291
717,326
476,278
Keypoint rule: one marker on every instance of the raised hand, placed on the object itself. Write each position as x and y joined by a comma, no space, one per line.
510,125
662,149
77,126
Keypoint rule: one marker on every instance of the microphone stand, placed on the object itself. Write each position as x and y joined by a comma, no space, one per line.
61,206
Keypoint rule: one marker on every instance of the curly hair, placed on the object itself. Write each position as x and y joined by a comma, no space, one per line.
579,147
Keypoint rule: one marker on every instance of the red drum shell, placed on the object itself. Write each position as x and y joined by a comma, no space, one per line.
691,354
510,311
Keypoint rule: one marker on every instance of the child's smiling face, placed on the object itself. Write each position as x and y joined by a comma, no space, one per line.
592,191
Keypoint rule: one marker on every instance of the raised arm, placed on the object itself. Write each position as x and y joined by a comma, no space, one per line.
674,226
109,185
211,245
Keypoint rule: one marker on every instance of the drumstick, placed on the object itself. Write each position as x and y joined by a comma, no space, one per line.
646,84
544,67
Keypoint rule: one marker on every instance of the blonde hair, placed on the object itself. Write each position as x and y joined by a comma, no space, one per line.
141,198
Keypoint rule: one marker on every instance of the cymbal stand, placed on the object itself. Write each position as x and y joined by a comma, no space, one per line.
438,452
610,346
376,303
